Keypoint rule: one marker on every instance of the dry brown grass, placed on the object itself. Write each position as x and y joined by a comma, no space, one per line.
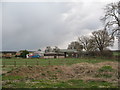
83,71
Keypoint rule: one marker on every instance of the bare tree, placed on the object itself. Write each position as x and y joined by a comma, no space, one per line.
48,49
39,49
86,42
112,20
101,40
56,49
75,45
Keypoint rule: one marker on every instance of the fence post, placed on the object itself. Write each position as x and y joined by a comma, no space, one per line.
3,64
15,63
62,62
68,61
26,63
49,62
37,62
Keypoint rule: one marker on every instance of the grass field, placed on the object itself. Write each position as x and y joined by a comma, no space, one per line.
59,84
10,64
59,73
116,53
67,61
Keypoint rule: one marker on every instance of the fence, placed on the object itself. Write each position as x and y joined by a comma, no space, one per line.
36,62
41,62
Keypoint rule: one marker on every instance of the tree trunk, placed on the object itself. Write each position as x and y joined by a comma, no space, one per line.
118,34
118,39
101,51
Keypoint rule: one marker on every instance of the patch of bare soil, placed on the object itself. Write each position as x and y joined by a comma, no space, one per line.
84,71
3,72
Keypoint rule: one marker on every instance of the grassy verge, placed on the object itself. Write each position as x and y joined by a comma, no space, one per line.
10,64
116,53
67,61
57,84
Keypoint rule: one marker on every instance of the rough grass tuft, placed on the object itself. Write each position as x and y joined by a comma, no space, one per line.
106,69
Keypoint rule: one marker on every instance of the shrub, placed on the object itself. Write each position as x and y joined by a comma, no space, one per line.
107,53
24,53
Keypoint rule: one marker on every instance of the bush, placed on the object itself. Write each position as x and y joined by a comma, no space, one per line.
24,53
92,53
107,53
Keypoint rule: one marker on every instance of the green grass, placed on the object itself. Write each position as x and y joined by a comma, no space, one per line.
10,64
102,72
8,68
116,53
104,75
12,77
99,84
59,84
106,69
24,82
67,61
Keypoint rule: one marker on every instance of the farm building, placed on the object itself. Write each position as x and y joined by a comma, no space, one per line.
69,52
63,53
8,54
54,55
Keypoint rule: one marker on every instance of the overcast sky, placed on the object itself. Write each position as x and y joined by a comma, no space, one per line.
34,25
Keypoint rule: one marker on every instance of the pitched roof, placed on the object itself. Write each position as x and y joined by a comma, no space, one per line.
8,52
68,50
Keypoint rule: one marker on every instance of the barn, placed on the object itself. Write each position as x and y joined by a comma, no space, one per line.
54,55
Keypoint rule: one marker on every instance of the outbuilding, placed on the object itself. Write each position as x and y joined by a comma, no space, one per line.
54,55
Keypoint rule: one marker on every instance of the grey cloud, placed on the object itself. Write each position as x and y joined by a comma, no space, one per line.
0,26
37,25
31,26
